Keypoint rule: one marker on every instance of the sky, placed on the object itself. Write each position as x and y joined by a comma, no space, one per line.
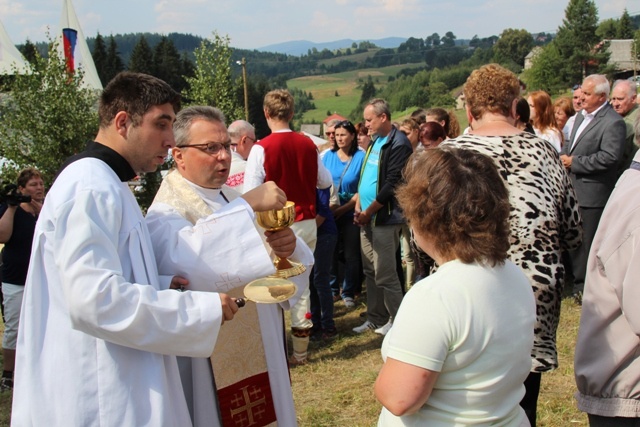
252,24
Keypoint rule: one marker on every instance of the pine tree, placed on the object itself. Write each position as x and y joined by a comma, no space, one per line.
29,51
99,55
114,62
577,42
625,26
167,64
141,57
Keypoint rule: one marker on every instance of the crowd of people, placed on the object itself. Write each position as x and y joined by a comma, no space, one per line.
462,244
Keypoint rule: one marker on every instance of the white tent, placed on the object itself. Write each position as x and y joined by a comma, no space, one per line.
11,60
73,46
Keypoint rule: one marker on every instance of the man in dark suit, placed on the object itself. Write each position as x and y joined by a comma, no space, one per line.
592,156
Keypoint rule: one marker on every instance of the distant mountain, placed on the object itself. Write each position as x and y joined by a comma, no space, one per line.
301,47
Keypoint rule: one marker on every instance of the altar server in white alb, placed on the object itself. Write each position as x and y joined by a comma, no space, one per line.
100,329
204,230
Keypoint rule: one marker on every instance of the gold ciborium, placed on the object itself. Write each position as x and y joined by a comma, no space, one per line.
275,220
276,288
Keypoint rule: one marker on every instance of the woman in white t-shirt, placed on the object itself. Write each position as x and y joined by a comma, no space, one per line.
459,348
543,119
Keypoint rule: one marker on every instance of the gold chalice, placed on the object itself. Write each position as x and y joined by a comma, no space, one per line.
276,288
275,220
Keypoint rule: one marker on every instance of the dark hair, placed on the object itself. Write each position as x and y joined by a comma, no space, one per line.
431,131
451,125
135,94
419,115
349,127
457,199
523,111
26,175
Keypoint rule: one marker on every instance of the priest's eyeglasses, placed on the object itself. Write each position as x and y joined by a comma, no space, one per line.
211,148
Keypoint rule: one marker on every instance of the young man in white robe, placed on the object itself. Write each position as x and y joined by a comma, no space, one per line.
205,231
100,329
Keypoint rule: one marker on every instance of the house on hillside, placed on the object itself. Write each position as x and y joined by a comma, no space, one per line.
460,101
334,116
621,56
528,60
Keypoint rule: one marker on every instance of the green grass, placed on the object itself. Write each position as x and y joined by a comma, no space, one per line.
336,387
348,85
356,57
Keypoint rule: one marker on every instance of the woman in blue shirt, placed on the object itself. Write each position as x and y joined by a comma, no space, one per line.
344,161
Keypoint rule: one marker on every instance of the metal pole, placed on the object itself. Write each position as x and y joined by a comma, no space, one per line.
246,94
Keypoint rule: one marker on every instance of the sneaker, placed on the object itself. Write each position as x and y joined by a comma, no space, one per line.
366,326
384,329
349,302
6,384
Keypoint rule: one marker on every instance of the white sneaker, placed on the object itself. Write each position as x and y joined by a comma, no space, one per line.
348,302
384,329
366,326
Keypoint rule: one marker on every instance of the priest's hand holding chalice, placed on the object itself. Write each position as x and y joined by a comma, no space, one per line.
275,214
276,288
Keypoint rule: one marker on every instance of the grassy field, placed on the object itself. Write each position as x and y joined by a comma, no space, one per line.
347,84
336,387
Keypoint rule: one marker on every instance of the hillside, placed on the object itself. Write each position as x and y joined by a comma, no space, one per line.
302,47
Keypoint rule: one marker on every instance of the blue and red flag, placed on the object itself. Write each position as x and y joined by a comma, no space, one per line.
69,40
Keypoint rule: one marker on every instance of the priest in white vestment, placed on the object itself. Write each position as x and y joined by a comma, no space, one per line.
100,329
205,231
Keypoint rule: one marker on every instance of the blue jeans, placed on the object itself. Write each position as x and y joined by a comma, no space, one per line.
349,246
319,283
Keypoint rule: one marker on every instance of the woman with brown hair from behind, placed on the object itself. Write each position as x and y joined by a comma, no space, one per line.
447,120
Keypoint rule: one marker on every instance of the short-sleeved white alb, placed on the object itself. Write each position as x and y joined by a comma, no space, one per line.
474,325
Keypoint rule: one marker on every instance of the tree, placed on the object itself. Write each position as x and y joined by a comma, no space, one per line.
212,83
608,29
47,117
577,42
544,75
100,59
29,51
433,40
449,39
114,62
141,60
512,46
625,26
368,93
167,64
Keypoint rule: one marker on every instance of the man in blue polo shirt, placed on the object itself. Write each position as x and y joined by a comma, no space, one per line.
378,214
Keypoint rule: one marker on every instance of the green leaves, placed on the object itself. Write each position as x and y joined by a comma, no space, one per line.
46,116
212,83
